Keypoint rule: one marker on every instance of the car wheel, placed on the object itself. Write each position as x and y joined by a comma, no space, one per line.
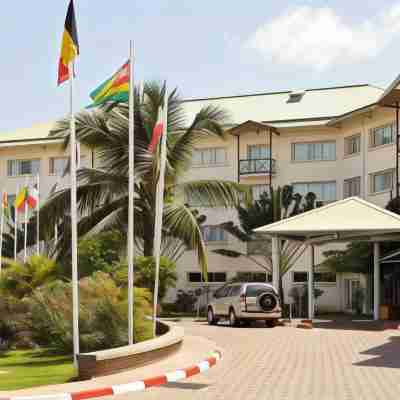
210,317
233,321
271,323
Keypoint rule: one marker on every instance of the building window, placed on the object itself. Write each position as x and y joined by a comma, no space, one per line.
258,190
299,277
58,166
325,277
213,233
210,156
213,277
258,152
351,187
352,145
23,167
382,135
323,151
324,191
381,181
253,277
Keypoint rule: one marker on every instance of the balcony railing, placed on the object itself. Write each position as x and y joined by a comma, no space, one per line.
256,166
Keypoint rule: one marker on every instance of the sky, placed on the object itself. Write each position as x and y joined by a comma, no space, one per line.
205,48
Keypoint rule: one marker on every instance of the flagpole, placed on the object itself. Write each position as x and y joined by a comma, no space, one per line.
26,219
37,215
15,225
131,205
74,221
3,194
159,210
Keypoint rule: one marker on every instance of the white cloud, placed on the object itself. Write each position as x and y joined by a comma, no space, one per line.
320,38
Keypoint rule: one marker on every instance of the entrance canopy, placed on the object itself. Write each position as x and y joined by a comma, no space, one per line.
345,220
342,221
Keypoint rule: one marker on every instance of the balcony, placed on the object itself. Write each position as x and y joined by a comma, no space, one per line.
256,166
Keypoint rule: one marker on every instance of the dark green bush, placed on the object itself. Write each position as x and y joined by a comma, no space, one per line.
185,301
145,274
98,253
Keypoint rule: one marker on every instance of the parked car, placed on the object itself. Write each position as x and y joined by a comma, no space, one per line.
245,302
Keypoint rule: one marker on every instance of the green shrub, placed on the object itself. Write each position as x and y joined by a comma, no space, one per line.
98,253
145,274
185,301
103,319
20,279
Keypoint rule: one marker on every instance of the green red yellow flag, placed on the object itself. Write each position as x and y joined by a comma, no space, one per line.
115,89
21,198
5,206
69,46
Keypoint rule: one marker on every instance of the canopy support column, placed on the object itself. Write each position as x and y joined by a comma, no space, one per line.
311,284
377,275
275,261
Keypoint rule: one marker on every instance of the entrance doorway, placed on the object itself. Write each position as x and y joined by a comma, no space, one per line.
350,288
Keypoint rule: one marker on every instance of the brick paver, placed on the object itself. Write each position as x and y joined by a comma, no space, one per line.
287,363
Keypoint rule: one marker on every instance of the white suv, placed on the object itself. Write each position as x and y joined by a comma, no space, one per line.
239,302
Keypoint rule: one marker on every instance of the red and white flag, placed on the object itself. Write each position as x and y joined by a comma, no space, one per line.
33,197
157,131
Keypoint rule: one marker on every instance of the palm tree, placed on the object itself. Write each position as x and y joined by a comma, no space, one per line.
103,191
277,205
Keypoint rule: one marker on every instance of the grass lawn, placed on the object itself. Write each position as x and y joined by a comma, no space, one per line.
27,368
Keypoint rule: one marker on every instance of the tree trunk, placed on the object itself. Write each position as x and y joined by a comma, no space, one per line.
281,292
148,240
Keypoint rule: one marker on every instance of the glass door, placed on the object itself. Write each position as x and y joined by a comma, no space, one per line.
350,288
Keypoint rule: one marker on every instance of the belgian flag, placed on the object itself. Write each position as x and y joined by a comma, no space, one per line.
70,45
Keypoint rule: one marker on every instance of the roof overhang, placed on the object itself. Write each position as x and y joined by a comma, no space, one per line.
29,142
351,114
343,221
391,95
244,127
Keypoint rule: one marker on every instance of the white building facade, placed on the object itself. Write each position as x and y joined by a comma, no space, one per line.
336,142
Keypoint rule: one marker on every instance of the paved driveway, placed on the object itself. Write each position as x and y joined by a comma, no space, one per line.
329,362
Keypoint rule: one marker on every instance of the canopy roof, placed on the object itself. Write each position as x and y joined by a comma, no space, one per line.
344,220
254,125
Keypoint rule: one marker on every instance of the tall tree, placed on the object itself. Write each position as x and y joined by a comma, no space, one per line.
103,190
274,206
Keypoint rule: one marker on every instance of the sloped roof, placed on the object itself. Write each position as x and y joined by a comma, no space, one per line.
34,133
317,107
325,103
342,220
392,93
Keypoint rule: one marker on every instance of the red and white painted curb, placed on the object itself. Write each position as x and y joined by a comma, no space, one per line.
137,386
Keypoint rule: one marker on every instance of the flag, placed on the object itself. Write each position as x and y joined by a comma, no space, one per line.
157,132
20,200
5,206
69,46
162,133
33,197
115,89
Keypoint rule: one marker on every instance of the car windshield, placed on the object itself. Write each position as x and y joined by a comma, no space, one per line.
256,290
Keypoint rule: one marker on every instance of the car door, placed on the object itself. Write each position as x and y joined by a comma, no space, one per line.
220,300
217,300
226,301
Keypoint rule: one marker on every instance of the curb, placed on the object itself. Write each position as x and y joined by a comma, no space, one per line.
136,386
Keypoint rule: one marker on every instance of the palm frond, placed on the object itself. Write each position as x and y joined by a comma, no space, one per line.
213,193
180,222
